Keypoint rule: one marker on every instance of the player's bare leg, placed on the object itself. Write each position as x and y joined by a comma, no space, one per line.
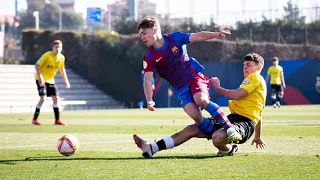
194,112
186,134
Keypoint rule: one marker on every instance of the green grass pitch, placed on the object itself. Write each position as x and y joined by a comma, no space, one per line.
107,151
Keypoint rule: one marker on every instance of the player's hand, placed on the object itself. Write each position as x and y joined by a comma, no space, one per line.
151,105
41,81
67,85
215,82
259,143
223,33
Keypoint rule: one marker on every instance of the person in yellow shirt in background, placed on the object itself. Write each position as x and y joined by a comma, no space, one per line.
46,69
246,114
277,82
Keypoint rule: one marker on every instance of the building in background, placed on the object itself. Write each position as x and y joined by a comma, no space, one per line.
133,9
65,4
29,2
145,8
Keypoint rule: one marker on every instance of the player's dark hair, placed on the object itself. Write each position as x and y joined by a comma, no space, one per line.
56,42
255,58
147,22
275,59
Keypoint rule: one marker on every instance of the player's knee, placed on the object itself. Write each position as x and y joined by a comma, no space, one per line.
197,118
218,138
202,102
193,111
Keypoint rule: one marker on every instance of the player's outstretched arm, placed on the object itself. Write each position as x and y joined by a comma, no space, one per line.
232,94
206,35
147,86
257,136
64,77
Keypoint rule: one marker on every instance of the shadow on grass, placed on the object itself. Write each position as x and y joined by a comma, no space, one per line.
62,158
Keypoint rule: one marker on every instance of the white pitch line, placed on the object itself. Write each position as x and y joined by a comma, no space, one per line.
45,145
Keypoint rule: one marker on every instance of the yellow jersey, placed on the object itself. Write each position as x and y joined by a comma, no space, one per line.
252,105
49,65
275,72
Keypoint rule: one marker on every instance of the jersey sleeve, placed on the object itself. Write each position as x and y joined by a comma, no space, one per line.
61,64
269,71
42,59
182,38
148,63
250,83
281,71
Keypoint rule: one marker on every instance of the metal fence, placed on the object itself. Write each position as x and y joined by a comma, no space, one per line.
278,35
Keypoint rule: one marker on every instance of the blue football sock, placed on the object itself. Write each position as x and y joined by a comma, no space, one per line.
206,126
217,114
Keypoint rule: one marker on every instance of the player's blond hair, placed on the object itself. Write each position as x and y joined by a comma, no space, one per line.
148,22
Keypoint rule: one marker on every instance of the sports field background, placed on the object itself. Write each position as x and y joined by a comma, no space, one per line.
107,151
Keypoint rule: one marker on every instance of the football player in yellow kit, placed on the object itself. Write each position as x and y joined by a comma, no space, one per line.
46,69
277,82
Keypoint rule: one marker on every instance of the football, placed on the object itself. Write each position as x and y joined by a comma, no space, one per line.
68,145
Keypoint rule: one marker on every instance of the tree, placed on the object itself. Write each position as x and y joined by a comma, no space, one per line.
292,15
166,28
26,18
72,20
125,25
49,17
211,26
189,27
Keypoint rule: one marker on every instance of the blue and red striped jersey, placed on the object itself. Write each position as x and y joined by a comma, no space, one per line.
172,61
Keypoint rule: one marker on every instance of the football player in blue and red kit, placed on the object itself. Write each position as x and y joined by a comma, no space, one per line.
168,55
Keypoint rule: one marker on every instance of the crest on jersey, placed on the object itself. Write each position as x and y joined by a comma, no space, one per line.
145,65
318,84
246,82
175,49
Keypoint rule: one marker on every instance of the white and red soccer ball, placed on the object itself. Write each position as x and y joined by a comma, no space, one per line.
68,145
